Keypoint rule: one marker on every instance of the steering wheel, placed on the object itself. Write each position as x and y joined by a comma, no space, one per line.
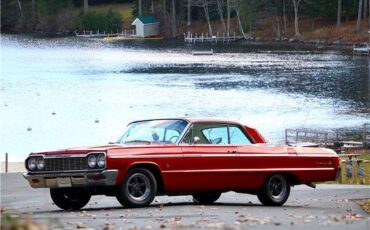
173,137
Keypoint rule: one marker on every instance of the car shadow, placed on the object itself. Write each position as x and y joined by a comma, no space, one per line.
176,204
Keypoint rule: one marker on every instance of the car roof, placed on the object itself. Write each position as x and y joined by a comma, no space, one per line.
197,120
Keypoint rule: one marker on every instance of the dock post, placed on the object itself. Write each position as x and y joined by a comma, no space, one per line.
296,136
6,162
286,136
343,171
367,171
354,171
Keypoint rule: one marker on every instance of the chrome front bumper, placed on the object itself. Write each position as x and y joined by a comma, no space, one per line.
80,179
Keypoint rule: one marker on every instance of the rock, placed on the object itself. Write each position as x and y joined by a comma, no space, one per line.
29,129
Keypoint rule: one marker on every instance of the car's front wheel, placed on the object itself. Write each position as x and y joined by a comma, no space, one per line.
275,190
138,189
206,197
70,198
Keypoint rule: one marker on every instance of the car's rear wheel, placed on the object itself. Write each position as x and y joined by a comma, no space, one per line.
275,190
70,198
138,189
206,197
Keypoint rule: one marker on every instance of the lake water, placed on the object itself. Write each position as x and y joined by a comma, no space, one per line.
65,92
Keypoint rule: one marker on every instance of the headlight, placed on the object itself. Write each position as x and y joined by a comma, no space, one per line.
32,162
40,163
91,161
101,160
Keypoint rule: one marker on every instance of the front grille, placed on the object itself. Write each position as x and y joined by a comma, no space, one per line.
62,164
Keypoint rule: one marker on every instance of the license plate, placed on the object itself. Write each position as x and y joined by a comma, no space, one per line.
64,182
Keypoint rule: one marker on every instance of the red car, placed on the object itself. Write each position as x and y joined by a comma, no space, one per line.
198,157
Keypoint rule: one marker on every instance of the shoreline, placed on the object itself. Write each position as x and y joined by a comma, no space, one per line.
13,167
318,44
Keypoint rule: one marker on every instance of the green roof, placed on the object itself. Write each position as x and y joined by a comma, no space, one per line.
148,19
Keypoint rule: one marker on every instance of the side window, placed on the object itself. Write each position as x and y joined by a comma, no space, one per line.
237,136
216,135
171,135
188,137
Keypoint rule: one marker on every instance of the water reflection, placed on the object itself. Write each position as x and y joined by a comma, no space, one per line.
272,88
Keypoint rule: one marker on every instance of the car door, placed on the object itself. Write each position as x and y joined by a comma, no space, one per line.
256,161
211,162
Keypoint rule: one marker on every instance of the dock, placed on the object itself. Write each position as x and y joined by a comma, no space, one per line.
205,38
104,34
361,49
207,52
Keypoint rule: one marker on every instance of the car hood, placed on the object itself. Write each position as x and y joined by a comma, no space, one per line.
100,148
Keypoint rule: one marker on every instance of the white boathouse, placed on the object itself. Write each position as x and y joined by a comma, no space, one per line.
147,26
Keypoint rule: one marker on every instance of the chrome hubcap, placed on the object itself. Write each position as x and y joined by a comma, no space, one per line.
138,187
277,187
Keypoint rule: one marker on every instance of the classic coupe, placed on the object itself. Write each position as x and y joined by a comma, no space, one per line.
187,156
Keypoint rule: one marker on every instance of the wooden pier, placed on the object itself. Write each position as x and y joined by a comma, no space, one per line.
201,38
361,49
98,34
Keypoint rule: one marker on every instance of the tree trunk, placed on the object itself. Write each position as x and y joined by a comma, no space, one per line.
365,9
86,5
339,13
358,24
152,7
20,7
240,24
284,16
33,9
228,17
221,14
140,8
189,12
206,12
296,25
164,12
278,27
174,24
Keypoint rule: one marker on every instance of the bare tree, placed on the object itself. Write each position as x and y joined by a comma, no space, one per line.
284,16
228,17
296,25
189,12
152,7
358,24
86,5
33,9
174,23
339,13
220,5
20,7
365,9
205,5
140,8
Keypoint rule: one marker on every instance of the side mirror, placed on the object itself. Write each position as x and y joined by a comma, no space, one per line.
196,140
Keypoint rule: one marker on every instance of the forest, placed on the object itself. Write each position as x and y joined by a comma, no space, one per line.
270,19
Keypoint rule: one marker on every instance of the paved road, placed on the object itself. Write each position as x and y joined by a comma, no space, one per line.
328,206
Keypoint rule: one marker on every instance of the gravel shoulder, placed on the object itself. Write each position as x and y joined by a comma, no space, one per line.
327,206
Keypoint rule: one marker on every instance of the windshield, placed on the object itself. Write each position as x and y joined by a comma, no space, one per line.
167,131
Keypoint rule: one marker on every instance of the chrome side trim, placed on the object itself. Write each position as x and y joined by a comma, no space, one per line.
247,170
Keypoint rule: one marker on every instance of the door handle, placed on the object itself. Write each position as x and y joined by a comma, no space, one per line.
232,151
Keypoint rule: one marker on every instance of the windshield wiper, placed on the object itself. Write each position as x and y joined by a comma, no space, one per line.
136,141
